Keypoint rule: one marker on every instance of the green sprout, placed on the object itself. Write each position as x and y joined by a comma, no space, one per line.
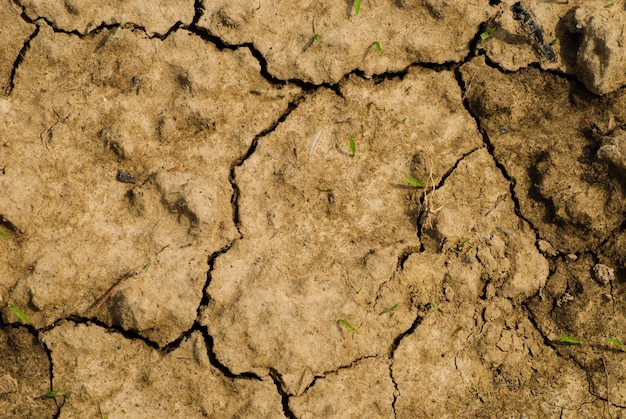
18,313
377,46
486,35
122,23
4,169
449,277
147,266
414,182
570,339
388,309
554,42
347,325
617,343
433,305
55,393
360,289
609,5
357,6
318,38
3,236
352,145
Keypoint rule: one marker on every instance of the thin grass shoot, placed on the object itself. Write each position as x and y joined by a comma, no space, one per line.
347,325
388,309
617,343
414,182
56,393
487,34
15,310
570,339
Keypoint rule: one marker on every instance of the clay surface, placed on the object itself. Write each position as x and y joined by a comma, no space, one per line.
358,209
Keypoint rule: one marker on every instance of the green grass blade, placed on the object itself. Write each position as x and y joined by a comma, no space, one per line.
3,236
352,146
55,393
388,309
617,343
570,339
18,313
347,325
414,182
486,35
377,46
357,6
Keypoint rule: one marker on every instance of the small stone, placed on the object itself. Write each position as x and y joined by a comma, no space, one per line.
125,177
449,293
564,299
603,274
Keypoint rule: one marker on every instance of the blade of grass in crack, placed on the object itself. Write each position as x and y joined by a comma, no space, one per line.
3,236
122,23
388,309
352,145
414,182
377,46
617,343
55,393
486,35
120,281
357,6
347,325
18,313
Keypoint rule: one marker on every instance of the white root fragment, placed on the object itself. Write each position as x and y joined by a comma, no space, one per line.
314,142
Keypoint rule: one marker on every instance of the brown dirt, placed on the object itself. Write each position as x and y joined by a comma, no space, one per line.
189,234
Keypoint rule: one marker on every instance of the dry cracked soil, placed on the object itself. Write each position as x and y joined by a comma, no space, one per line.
312,209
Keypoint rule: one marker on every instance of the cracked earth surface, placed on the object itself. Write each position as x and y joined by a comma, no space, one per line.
188,232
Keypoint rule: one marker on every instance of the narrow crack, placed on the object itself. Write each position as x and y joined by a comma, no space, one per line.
208,339
398,339
111,328
432,189
18,60
396,391
57,414
234,200
337,370
284,396
490,148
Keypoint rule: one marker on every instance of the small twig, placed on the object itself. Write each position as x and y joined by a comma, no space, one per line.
133,272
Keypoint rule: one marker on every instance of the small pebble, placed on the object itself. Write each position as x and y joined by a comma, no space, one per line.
125,177
603,274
